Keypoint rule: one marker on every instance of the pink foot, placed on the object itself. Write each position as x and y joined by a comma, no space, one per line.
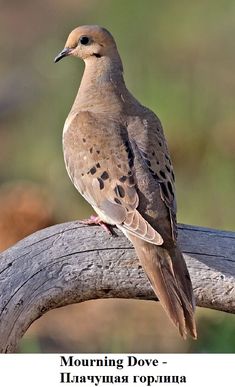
96,220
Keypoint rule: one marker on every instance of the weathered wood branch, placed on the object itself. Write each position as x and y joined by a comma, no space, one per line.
70,263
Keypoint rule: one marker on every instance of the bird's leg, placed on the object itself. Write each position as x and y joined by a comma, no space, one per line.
95,220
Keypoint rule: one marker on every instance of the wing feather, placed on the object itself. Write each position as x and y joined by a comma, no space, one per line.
149,145
104,174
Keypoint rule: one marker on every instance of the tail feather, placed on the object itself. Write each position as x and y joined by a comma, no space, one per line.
185,285
169,277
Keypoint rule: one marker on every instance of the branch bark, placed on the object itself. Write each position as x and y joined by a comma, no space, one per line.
70,263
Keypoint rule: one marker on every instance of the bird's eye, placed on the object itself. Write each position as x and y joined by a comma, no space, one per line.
84,40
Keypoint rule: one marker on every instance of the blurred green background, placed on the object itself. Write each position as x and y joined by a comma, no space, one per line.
179,60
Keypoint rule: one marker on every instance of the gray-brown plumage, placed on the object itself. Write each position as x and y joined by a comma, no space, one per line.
117,157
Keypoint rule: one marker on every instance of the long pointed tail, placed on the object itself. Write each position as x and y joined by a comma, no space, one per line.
169,277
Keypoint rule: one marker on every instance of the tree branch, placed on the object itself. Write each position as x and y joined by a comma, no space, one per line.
70,263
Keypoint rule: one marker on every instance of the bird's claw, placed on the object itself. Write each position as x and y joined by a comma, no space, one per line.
95,220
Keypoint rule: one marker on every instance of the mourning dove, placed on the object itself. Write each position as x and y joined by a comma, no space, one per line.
117,157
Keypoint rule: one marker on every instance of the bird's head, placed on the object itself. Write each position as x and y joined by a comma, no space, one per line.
88,42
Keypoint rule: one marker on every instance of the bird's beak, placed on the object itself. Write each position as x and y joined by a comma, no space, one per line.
65,52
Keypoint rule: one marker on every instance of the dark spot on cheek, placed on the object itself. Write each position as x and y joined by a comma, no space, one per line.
84,140
173,176
119,165
117,201
98,165
159,142
98,152
91,150
104,175
148,163
153,153
101,183
122,179
119,190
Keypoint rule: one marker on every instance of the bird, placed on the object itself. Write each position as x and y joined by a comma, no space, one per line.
117,157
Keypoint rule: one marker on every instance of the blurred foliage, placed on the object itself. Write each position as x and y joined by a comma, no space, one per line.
24,208
179,60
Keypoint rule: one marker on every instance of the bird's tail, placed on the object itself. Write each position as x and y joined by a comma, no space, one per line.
169,277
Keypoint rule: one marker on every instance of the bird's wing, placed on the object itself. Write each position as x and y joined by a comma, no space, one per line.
164,265
100,163
150,147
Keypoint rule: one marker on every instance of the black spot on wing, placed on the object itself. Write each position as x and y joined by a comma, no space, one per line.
131,180
168,159
130,154
92,171
104,175
101,183
167,168
164,190
169,185
122,179
148,162
119,190
144,154
131,162
162,174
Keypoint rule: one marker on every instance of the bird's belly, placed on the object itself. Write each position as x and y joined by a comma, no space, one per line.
74,175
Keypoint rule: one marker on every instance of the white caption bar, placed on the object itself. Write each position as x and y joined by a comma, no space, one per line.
117,370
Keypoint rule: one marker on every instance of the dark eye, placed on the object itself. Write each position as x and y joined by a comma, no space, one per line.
84,40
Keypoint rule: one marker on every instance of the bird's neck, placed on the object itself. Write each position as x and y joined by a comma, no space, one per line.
102,88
